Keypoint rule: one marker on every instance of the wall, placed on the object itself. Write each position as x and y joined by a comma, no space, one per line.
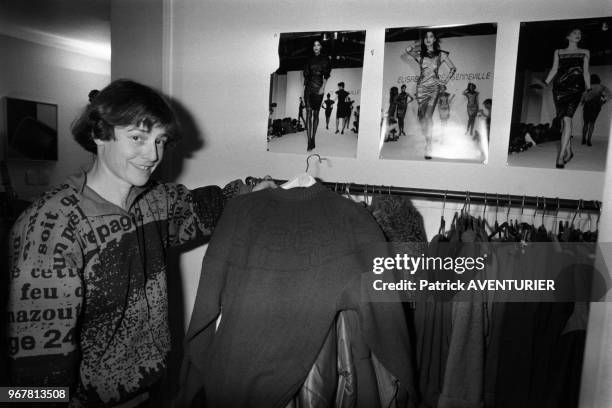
213,62
137,40
48,74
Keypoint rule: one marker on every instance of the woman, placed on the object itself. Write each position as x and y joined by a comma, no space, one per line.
430,58
593,101
342,106
329,106
316,74
472,107
444,105
98,243
301,112
391,134
570,71
402,107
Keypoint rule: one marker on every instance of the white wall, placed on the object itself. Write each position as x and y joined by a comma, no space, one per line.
473,55
48,74
224,49
137,41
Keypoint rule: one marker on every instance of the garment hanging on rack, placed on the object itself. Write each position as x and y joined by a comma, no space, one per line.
281,264
541,343
449,337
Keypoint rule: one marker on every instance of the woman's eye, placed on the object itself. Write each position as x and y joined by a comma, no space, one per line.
137,138
161,141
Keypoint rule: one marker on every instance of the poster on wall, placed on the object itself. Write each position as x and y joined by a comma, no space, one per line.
437,93
315,95
560,118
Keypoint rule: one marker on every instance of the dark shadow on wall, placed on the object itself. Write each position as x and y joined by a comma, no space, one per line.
191,140
172,167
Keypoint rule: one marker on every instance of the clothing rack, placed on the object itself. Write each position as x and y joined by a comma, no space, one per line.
490,199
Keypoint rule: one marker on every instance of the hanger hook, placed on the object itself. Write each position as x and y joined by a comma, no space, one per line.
469,202
308,160
444,202
496,205
590,220
577,211
598,203
522,206
389,190
509,206
485,206
544,211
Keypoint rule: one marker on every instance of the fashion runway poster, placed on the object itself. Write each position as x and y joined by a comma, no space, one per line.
315,95
437,93
561,111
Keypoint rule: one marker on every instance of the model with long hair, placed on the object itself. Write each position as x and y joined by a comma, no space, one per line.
430,58
316,74
570,77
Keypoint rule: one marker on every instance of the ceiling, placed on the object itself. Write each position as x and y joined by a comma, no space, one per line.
81,26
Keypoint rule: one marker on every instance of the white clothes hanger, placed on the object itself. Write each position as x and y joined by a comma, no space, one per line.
302,179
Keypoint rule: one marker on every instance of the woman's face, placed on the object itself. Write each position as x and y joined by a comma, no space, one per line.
574,36
429,39
316,47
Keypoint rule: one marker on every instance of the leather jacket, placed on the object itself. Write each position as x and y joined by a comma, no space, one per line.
346,374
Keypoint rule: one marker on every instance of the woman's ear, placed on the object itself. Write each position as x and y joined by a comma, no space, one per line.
97,141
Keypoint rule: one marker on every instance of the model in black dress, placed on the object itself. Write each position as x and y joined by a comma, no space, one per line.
329,106
316,74
301,112
570,71
593,101
342,107
402,107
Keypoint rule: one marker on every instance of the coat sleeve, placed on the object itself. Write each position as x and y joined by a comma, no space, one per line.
45,298
207,307
196,213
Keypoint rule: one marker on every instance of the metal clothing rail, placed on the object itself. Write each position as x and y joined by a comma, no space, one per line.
546,204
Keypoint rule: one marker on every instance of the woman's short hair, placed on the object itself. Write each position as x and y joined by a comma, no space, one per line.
570,30
123,103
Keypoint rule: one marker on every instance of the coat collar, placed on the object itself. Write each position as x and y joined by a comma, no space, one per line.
94,204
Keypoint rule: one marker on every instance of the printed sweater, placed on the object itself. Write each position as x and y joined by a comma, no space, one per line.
88,301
